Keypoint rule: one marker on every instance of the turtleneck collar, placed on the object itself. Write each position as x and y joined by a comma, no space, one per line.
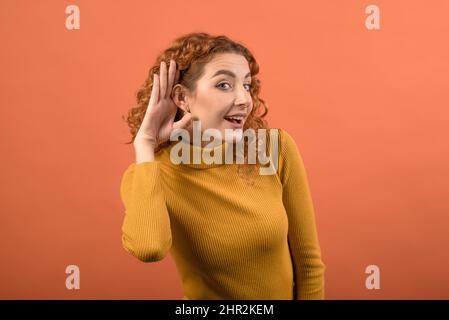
194,148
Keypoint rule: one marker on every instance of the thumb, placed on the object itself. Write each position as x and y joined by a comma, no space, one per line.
183,122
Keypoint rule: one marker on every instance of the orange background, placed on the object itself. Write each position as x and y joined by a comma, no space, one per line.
367,108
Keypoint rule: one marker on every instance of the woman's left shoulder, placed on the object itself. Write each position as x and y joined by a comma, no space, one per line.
289,156
286,143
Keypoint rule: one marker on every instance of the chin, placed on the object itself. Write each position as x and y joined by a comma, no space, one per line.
236,137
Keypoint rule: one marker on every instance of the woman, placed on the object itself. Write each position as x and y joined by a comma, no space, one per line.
233,232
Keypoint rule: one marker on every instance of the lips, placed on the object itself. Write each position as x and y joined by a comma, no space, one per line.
236,120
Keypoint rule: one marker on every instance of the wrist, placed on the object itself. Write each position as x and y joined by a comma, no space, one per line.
145,143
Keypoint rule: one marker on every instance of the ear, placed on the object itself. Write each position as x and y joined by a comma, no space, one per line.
179,97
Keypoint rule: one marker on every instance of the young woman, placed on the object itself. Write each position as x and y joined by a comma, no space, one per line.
232,232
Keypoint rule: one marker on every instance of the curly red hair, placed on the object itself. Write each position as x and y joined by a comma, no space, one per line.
191,53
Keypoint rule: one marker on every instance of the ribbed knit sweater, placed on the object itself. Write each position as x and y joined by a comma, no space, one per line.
228,240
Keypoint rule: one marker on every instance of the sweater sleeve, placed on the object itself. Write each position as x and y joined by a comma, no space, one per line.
146,232
302,234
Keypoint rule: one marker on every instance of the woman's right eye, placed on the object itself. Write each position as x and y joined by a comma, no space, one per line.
219,85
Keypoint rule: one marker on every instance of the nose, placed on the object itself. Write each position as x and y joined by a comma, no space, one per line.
243,98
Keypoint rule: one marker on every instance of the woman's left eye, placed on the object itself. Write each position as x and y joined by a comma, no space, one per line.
248,84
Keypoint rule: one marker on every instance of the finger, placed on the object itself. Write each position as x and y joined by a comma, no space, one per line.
171,76
177,76
183,122
154,98
163,79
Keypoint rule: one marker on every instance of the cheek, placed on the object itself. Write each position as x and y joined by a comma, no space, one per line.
218,113
213,119
212,109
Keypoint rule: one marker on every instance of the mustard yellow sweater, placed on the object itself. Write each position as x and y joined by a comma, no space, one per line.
228,240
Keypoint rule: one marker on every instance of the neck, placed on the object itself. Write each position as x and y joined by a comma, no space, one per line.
204,156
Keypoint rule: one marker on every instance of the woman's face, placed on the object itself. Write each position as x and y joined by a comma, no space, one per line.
222,91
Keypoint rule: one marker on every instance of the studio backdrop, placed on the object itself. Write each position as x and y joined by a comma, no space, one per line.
361,86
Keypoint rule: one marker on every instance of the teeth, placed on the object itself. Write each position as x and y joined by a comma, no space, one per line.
235,118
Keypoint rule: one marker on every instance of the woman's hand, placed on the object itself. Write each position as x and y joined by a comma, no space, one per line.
158,122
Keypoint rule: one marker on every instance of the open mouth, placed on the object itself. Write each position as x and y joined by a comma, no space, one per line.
236,119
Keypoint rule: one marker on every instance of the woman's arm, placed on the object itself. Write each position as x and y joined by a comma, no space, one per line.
146,232
302,234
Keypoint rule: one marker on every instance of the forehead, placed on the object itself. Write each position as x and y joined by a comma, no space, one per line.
228,61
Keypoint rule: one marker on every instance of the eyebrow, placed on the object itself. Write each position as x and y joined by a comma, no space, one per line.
229,73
